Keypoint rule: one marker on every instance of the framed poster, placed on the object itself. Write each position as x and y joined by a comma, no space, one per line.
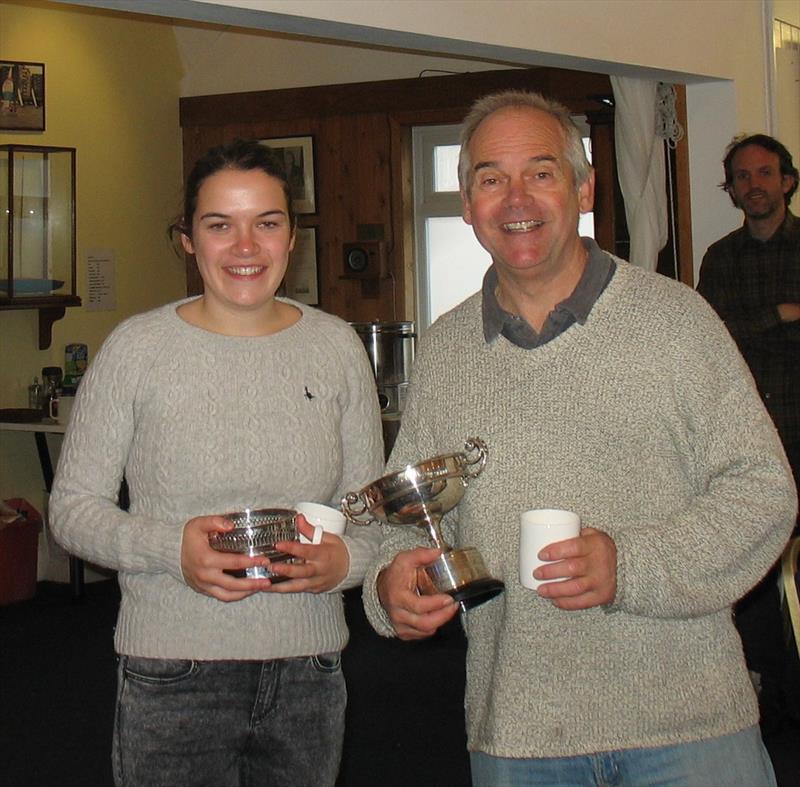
298,157
301,275
22,96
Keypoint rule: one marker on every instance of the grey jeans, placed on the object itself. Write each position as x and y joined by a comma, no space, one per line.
229,723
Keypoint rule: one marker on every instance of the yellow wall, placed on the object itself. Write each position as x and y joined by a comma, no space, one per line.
129,173
787,11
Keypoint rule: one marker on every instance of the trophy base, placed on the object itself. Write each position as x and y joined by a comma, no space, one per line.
256,572
262,572
474,594
462,574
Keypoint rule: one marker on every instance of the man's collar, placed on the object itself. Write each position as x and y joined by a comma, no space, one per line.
493,315
593,280
788,228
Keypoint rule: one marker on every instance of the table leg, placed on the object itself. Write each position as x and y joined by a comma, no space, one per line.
76,579
44,460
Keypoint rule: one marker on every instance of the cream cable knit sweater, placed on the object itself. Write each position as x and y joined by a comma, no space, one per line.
646,422
206,424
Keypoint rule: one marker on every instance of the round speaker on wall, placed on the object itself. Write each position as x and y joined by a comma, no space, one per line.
364,260
357,259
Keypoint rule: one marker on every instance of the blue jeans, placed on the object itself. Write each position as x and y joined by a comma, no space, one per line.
737,760
229,723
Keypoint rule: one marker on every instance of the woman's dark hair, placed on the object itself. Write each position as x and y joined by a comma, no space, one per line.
769,144
241,154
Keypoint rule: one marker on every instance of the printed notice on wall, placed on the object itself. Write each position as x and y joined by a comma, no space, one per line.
102,280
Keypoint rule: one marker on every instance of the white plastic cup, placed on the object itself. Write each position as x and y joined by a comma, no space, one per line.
539,528
331,520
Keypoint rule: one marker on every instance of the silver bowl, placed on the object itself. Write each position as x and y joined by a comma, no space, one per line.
255,533
409,496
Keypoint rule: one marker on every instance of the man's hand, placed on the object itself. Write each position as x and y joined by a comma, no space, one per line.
789,312
413,616
587,568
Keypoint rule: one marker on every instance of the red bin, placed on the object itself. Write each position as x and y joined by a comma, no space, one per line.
19,552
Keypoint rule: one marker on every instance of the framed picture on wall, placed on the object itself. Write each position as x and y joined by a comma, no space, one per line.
21,96
301,275
298,157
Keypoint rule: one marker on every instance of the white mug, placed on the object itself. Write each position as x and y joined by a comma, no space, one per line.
63,408
539,528
331,520
315,539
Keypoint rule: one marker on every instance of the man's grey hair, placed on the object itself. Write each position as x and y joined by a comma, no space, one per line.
483,107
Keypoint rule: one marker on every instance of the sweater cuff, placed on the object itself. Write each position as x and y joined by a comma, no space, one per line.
175,563
618,601
360,553
376,614
355,569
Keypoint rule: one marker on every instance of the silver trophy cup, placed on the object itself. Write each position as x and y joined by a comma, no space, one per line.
421,494
255,533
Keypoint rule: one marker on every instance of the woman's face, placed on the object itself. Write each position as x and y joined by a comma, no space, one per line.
241,238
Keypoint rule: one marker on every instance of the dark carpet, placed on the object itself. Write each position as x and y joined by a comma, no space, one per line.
405,725
405,721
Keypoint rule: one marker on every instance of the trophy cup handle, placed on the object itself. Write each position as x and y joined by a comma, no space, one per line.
357,515
474,465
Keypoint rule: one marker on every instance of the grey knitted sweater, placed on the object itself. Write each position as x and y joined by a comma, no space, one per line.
646,422
202,423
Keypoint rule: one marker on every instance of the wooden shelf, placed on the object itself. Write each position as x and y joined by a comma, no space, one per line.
50,307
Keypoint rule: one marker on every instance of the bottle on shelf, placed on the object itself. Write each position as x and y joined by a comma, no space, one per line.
52,376
35,394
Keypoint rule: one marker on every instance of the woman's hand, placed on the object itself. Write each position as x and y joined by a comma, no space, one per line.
204,568
324,565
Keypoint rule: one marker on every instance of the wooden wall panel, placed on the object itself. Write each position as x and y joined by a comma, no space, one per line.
355,184
425,94
605,174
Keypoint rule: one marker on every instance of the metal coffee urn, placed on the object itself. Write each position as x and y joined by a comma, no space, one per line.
390,347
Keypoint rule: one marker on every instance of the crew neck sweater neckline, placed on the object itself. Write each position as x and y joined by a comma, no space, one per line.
189,329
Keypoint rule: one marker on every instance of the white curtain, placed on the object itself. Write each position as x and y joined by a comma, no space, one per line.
640,164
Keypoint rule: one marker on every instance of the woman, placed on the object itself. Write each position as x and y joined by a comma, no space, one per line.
230,400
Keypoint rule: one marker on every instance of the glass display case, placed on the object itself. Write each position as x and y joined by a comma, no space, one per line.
37,232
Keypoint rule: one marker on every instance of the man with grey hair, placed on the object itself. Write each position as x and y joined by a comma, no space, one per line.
617,394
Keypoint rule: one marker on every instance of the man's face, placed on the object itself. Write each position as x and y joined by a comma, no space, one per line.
521,199
757,186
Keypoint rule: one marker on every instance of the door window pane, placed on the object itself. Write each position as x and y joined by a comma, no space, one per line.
456,263
445,168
